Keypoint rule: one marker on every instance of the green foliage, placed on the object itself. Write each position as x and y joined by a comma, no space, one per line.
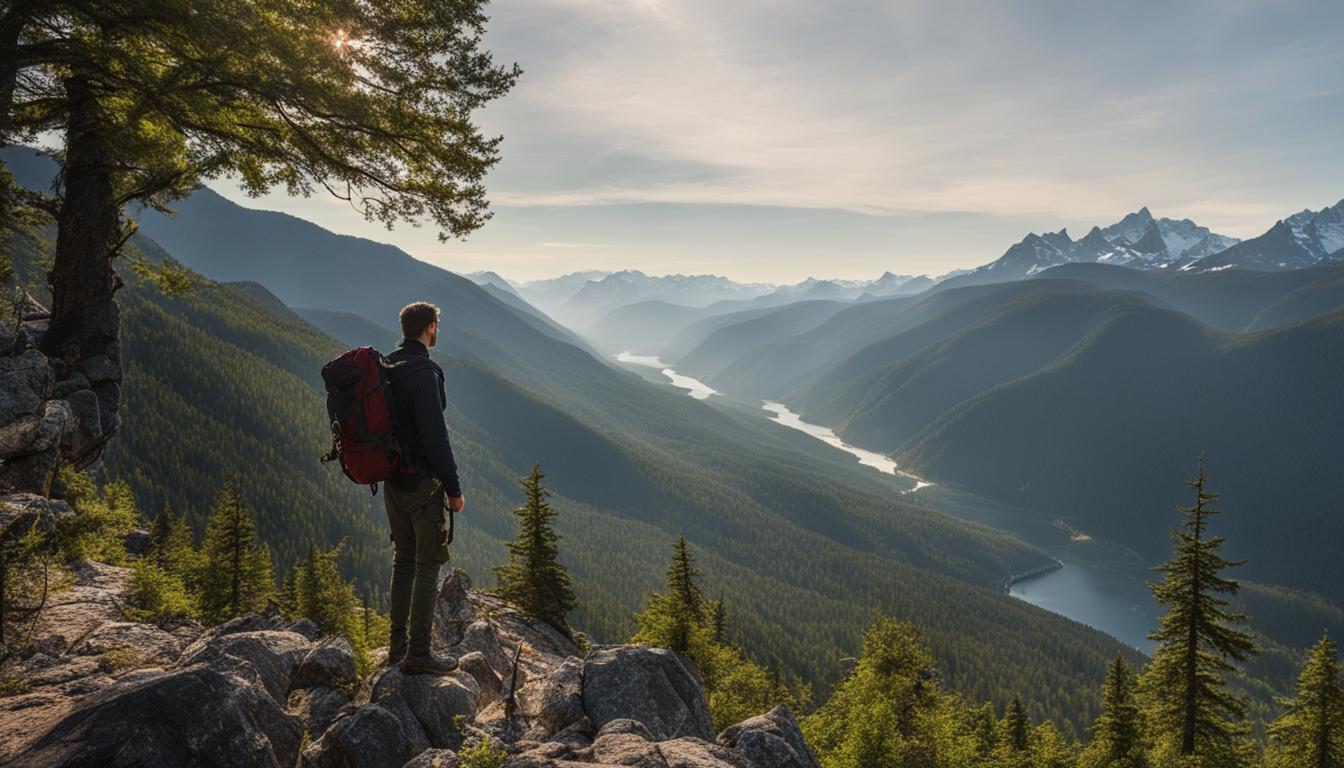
1016,727
235,574
167,275
30,571
171,548
1310,732
483,753
1184,688
375,627
682,620
104,517
320,593
719,623
368,101
157,595
534,580
1117,737
891,713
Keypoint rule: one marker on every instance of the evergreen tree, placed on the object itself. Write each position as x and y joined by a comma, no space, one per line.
170,545
890,713
1310,733
288,596
1184,686
534,580
985,725
323,595
719,626
235,575
1116,736
1017,726
675,618
152,99
682,578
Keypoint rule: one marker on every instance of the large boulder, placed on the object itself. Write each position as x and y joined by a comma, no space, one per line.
772,740
647,684
369,737
626,742
198,716
331,663
25,382
555,701
475,664
274,654
481,637
21,511
318,707
436,705
697,753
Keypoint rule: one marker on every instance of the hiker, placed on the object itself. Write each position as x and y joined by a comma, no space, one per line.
416,503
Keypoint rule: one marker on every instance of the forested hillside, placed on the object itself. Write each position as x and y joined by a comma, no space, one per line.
1097,437
1231,300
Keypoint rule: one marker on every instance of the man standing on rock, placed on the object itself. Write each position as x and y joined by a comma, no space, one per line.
415,501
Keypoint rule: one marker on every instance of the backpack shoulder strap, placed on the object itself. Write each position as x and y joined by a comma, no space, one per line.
399,370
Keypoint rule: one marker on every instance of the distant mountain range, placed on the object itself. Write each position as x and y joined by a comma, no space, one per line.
1138,241
1305,239
580,300
1083,393
631,310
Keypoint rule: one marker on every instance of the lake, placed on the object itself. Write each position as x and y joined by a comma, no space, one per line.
1098,583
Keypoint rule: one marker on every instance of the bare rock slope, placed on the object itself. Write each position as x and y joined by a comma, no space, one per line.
97,689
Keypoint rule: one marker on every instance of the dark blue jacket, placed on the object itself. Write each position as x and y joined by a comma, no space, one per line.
418,400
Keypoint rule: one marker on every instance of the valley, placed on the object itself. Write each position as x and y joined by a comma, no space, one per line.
1097,583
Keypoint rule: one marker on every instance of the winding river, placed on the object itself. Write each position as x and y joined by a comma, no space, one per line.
1097,583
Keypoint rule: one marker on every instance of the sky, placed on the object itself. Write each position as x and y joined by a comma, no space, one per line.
775,140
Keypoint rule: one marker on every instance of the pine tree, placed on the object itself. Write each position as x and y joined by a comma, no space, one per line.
682,579
1196,638
288,597
1116,735
1310,733
170,545
323,595
534,580
236,572
1017,726
676,618
719,625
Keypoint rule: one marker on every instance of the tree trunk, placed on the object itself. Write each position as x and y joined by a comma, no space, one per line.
11,25
82,337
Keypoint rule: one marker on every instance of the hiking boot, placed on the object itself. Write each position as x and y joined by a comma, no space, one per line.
427,664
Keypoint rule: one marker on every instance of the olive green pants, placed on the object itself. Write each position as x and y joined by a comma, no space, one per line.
420,548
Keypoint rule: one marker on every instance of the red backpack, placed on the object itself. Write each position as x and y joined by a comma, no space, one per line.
360,406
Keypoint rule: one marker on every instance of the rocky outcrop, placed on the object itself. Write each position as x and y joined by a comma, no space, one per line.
650,685
770,739
102,690
49,415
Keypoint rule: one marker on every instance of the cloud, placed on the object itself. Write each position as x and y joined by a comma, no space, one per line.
773,139
868,106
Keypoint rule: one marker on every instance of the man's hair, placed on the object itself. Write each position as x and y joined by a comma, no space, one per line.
416,317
